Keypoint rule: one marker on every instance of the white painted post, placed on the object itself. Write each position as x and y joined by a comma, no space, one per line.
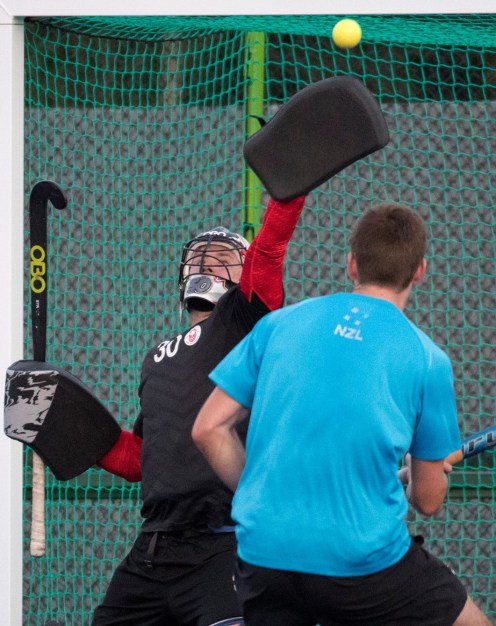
11,303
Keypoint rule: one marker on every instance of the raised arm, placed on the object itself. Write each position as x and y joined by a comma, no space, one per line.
262,275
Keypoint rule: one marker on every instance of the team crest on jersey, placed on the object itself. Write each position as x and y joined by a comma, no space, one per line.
350,329
192,336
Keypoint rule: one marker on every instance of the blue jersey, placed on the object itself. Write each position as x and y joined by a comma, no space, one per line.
340,388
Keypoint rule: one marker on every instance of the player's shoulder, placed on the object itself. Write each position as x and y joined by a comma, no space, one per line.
287,317
435,357
290,310
171,343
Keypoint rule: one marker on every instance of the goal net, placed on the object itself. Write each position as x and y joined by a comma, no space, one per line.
142,121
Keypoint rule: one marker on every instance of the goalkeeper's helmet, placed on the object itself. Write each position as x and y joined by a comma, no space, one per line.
210,265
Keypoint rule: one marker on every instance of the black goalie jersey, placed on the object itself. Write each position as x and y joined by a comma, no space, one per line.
179,489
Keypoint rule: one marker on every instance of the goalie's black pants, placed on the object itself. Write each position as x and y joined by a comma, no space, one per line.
173,579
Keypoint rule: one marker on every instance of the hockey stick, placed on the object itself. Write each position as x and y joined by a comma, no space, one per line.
41,193
474,444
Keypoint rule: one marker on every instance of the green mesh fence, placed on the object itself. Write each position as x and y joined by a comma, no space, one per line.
142,121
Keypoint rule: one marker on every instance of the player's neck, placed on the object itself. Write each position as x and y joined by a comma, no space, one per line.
398,298
195,317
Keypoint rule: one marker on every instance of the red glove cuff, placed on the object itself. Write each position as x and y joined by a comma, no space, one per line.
124,458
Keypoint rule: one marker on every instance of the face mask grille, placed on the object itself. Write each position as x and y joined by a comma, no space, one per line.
206,270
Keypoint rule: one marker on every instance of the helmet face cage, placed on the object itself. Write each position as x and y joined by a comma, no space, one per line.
207,287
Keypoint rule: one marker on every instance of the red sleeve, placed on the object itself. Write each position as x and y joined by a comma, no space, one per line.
124,459
263,266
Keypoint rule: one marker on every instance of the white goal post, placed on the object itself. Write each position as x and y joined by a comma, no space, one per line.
11,304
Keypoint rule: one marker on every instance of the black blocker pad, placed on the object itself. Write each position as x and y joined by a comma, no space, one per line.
51,411
318,132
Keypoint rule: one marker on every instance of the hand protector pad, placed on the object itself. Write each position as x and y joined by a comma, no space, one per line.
51,411
318,132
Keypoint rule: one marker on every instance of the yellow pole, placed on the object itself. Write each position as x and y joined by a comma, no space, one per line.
255,72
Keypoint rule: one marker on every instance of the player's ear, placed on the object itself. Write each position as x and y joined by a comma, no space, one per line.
352,267
420,273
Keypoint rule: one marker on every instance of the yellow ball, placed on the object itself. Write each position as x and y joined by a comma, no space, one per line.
346,33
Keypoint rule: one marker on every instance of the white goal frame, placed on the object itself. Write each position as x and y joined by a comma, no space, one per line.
12,13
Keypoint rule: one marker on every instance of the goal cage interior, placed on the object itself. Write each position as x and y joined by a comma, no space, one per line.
142,121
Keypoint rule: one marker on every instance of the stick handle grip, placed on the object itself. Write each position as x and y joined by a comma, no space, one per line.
37,544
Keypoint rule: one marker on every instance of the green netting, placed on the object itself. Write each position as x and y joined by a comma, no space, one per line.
142,121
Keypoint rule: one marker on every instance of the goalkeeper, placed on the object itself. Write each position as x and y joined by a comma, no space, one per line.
179,570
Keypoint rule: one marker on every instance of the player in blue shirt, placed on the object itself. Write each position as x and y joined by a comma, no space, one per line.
340,388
